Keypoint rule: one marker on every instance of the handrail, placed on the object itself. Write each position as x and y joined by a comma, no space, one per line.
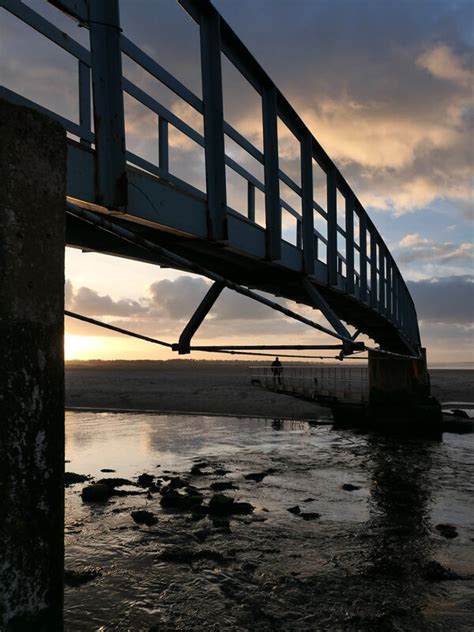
376,281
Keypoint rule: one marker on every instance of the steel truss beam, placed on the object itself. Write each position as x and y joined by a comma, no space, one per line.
348,347
197,318
124,233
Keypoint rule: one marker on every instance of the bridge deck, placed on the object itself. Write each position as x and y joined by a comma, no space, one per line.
336,245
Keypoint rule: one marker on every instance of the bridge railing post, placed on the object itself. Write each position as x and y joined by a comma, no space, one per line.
272,186
109,116
306,162
350,243
373,267
332,225
214,146
382,298
363,255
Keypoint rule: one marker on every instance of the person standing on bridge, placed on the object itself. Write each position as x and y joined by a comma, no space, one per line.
277,370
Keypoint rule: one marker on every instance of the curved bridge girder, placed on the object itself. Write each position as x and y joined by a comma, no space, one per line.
348,262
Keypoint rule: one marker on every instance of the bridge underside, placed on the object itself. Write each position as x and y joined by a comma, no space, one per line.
176,220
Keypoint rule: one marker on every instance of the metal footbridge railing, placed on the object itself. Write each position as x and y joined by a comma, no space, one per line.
335,260
323,383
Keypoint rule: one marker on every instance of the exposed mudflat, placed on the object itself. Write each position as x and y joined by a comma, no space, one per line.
379,537
208,387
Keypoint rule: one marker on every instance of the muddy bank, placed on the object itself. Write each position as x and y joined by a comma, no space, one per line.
208,387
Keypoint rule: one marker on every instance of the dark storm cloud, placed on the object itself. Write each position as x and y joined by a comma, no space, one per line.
447,300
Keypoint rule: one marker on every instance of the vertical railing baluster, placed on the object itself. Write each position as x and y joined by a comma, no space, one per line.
109,117
85,120
332,225
306,161
373,267
382,304
163,145
389,275
299,234
214,148
272,186
251,201
350,243
363,255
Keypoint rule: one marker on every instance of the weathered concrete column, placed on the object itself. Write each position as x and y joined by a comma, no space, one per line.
399,389
32,204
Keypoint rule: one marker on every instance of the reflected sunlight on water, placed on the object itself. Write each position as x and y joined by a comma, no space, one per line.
342,570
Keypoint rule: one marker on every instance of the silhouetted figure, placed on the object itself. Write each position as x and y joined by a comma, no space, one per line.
277,371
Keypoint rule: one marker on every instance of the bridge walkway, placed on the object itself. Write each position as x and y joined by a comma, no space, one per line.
322,252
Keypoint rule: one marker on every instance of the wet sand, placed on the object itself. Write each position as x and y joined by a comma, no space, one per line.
382,540
209,387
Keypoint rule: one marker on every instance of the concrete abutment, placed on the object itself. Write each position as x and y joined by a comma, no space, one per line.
32,219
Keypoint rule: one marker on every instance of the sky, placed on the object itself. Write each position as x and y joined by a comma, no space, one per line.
386,86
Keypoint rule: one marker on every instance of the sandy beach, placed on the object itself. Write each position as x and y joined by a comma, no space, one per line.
208,387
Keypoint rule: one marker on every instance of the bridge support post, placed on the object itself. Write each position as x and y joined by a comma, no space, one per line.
32,212
399,390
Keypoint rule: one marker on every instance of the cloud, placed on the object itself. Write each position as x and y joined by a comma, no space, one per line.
413,247
442,63
89,302
448,300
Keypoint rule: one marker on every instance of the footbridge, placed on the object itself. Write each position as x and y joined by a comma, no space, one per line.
325,253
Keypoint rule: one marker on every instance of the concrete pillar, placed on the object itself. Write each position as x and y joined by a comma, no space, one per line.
32,201
399,389
398,380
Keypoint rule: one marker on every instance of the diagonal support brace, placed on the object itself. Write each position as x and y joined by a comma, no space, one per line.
183,346
319,303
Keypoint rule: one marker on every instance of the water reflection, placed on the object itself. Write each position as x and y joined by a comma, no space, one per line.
400,505
358,564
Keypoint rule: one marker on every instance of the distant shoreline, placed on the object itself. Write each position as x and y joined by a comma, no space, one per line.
209,387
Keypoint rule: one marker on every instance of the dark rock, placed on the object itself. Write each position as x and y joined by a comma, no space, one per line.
221,504
242,509
176,482
348,487
114,482
106,469
256,476
309,515
71,478
225,506
447,530
144,517
172,499
221,472
188,556
309,500
294,510
196,470
434,572
145,480
74,578
202,464
99,492
221,486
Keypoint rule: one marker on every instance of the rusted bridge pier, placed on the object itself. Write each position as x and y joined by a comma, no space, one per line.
32,219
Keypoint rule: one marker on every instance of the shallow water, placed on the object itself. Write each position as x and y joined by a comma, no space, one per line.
364,564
